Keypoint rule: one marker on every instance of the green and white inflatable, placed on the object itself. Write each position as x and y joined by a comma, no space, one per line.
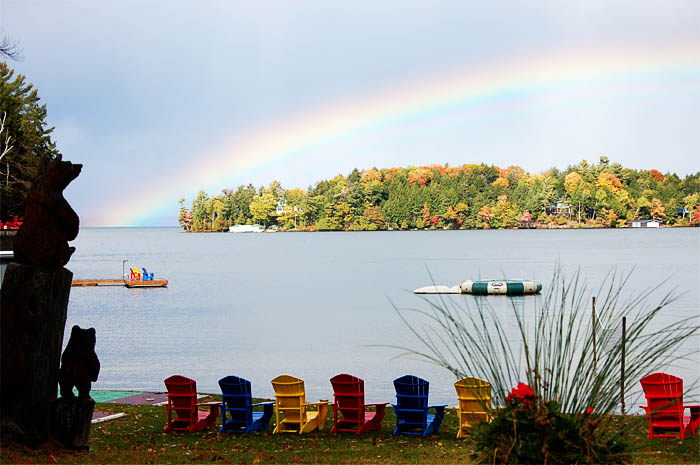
486,287
492,286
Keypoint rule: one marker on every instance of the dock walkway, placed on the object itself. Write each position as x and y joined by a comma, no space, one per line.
118,282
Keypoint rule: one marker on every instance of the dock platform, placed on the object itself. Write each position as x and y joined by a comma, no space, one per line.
118,282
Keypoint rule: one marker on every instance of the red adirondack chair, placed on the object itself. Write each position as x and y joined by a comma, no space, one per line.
349,408
182,399
664,394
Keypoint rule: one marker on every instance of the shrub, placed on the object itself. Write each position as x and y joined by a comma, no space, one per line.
530,430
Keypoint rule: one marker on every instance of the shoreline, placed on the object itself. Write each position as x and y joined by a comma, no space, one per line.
444,229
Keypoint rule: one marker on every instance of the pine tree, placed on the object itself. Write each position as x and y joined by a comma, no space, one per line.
24,140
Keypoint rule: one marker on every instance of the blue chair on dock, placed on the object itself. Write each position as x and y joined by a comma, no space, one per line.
412,407
237,407
146,275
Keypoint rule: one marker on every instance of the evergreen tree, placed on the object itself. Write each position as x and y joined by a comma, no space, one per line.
24,140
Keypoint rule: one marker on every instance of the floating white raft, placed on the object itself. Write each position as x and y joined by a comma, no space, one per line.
486,287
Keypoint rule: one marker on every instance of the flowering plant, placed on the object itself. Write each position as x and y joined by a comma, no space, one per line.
531,430
522,392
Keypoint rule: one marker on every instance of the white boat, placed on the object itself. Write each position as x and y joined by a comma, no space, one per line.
246,228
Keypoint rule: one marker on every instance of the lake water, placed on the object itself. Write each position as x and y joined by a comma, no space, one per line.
318,304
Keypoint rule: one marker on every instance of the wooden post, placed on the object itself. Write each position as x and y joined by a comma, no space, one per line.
595,355
622,370
33,309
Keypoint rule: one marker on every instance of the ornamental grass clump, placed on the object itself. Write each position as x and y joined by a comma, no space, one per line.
530,430
563,410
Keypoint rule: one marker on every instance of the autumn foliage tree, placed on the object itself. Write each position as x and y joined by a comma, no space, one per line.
466,196
656,175
426,215
608,218
485,216
657,210
264,207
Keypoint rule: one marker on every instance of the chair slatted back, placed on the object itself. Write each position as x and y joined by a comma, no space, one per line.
412,398
474,394
182,399
664,394
237,398
290,397
349,397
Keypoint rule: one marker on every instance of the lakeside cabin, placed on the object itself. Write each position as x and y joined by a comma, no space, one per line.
644,223
560,208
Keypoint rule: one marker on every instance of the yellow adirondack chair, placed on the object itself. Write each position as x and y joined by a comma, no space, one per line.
291,409
474,396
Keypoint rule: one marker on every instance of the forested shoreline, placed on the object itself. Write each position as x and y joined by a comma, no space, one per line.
470,196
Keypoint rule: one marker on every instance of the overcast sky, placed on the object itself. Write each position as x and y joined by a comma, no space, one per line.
144,92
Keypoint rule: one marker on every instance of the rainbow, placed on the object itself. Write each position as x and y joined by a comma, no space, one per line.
296,136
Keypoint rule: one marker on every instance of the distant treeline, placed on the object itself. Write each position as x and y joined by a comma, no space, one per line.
461,197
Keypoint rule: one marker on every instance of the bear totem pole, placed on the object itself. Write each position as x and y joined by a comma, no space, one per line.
70,417
33,306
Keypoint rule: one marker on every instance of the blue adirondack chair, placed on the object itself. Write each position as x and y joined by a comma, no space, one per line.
146,275
237,407
412,407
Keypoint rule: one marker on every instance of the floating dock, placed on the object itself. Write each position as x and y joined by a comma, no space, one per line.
119,282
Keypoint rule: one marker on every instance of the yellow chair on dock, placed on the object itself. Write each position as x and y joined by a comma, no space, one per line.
474,396
135,274
291,409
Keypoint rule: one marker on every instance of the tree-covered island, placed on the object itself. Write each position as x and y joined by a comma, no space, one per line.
603,195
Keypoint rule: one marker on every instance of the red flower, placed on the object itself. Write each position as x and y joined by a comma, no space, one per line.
589,410
522,392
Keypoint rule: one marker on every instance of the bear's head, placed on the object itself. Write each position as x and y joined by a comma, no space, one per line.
83,339
56,174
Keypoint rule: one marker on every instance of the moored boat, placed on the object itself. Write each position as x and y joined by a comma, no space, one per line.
246,228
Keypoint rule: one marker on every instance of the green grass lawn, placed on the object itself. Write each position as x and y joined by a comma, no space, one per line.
139,438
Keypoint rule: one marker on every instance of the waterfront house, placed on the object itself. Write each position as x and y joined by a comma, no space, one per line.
558,209
644,224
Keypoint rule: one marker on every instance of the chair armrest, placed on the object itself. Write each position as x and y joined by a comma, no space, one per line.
207,404
439,410
379,408
309,404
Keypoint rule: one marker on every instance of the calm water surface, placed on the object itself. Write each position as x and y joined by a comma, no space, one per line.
317,304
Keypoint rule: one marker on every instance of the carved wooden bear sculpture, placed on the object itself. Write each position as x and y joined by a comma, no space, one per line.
49,221
79,363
